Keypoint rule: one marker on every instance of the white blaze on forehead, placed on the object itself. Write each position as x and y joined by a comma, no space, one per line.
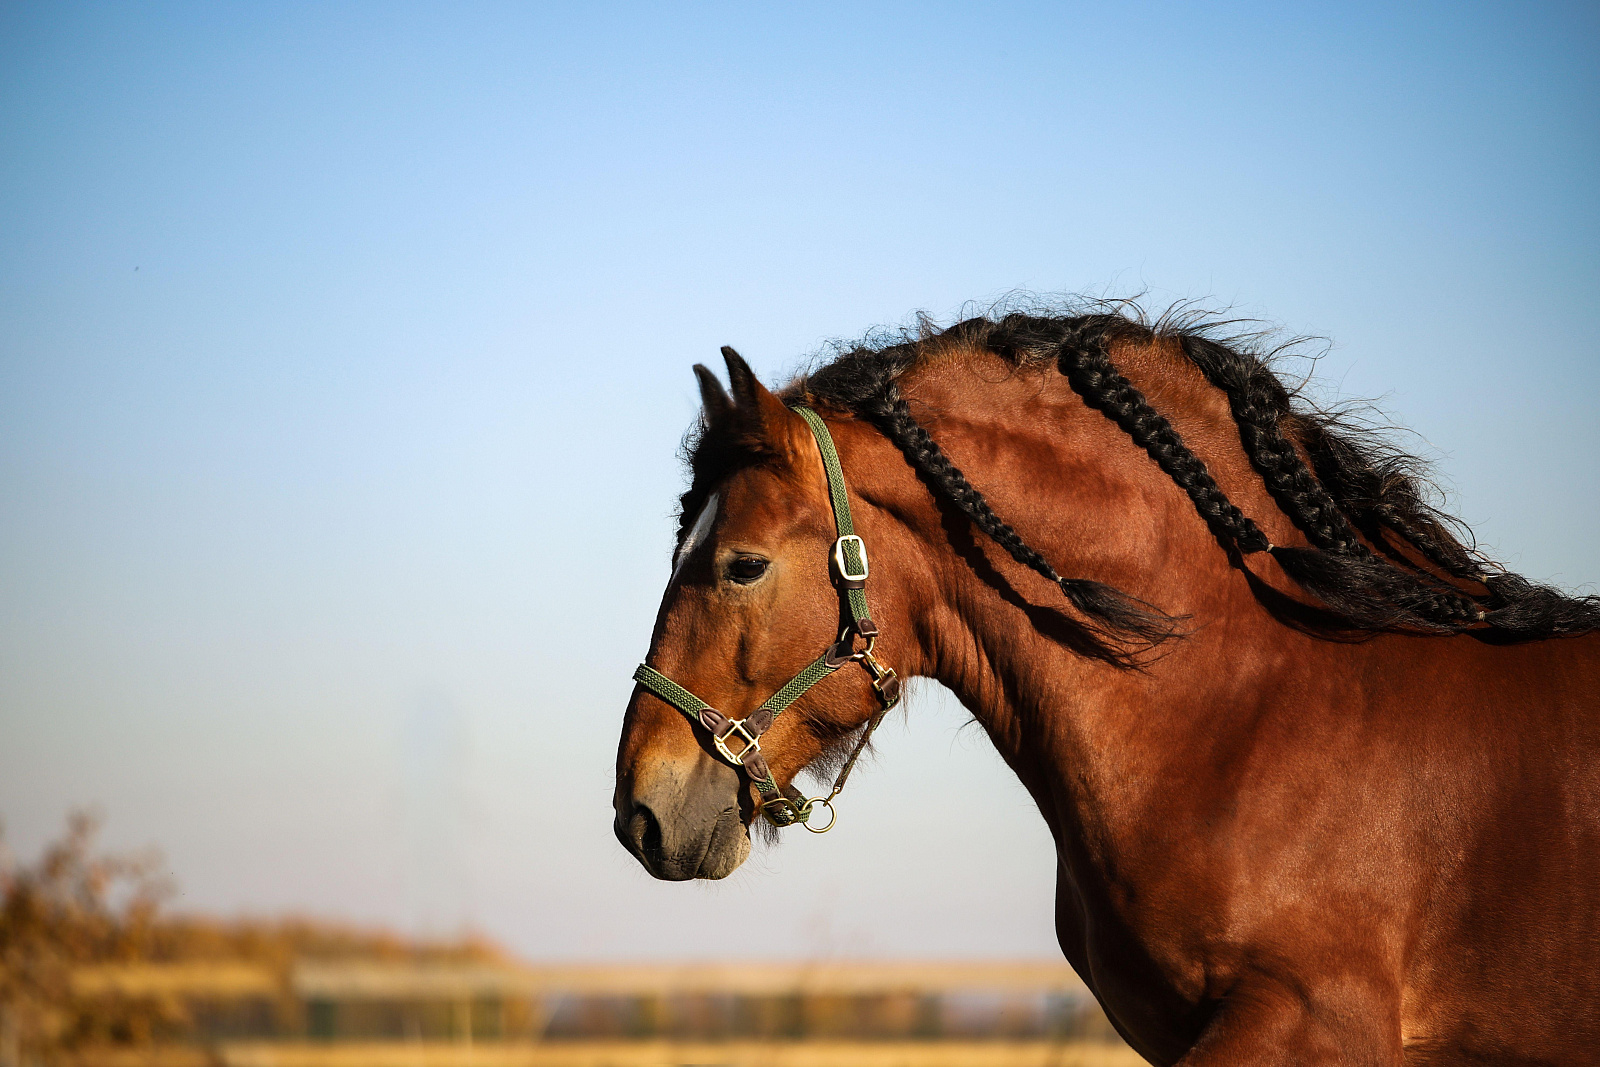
697,532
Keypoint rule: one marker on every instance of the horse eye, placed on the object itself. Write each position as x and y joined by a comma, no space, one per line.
747,568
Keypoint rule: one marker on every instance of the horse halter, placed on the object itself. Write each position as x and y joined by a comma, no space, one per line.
739,740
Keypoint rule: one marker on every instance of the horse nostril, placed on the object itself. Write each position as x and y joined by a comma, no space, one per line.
641,832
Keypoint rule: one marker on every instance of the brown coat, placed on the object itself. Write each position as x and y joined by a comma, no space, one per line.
1274,846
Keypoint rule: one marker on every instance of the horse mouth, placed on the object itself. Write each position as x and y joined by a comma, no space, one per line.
724,848
727,848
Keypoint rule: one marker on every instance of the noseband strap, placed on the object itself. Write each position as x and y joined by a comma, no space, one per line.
739,740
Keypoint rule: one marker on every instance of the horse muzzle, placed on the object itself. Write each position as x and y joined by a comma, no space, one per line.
682,823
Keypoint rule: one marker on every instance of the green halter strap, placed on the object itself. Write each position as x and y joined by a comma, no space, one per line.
738,740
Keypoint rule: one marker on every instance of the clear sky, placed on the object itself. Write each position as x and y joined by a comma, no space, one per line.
345,348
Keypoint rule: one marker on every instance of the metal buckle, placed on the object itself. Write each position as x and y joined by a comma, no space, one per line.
751,741
838,559
782,811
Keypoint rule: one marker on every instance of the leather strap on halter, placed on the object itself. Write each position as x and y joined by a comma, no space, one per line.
738,740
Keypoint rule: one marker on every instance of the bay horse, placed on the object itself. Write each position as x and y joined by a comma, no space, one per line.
1324,782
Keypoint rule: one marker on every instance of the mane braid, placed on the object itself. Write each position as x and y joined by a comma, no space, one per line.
1089,368
1365,590
865,382
1118,612
1362,587
1352,497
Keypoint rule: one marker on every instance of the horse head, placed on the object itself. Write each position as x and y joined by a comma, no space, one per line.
761,607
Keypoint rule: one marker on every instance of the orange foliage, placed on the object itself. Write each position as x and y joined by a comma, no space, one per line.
76,907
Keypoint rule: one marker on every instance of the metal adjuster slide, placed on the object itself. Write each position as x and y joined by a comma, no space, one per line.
844,568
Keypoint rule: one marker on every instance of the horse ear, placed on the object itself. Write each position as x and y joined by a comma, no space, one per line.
762,416
746,386
718,404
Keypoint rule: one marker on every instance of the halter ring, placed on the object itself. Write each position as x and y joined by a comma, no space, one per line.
812,805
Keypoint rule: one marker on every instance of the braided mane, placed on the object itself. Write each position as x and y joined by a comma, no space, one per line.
1382,558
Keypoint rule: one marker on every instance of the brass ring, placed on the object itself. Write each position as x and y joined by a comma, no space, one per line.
811,806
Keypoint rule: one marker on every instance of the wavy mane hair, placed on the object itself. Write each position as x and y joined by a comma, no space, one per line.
1382,557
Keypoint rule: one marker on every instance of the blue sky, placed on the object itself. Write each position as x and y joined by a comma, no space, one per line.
344,354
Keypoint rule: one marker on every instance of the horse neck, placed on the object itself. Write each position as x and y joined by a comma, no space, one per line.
1076,729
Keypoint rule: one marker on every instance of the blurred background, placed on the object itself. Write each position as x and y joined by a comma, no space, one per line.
344,358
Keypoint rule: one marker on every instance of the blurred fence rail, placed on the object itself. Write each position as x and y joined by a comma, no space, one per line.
628,1054
207,979
753,978
473,1002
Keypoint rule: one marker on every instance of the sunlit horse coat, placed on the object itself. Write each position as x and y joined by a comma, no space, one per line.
1324,786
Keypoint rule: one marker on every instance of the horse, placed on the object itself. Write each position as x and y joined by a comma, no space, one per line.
1323,780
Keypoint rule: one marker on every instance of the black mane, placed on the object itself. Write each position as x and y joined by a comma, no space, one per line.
1382,556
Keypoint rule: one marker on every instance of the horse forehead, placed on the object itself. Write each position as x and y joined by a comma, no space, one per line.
759,499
